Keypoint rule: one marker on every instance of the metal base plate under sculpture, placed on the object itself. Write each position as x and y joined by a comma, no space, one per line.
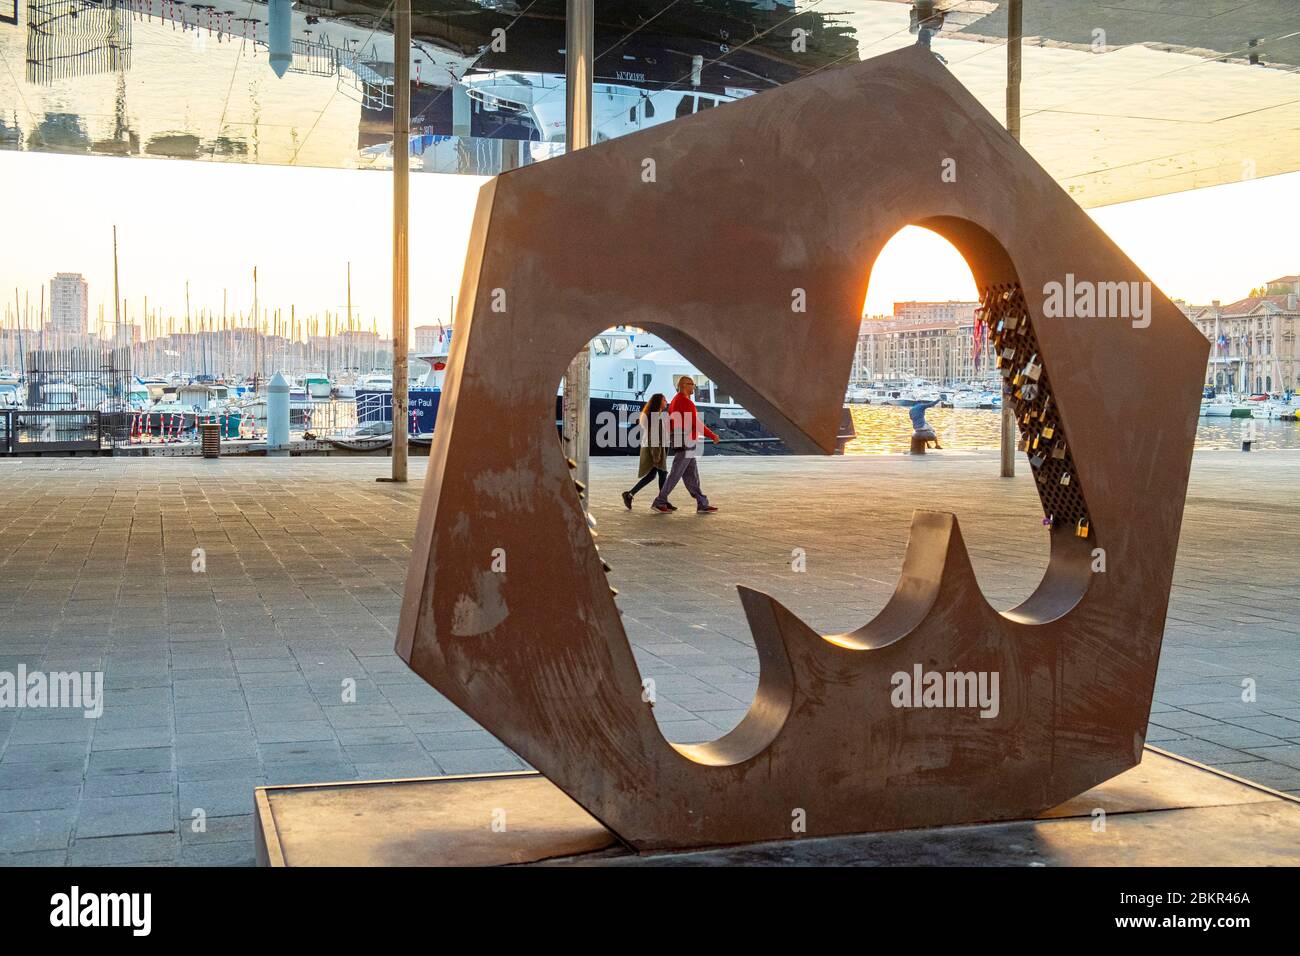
1167,811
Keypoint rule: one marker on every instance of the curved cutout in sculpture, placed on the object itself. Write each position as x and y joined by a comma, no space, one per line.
750,202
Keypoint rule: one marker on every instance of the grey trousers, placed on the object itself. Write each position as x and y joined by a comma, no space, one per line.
686,469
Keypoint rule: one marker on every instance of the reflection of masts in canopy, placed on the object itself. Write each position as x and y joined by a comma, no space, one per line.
69,38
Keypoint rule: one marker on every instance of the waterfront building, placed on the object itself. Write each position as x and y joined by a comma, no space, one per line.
426,338
951,310
934,344
1253,340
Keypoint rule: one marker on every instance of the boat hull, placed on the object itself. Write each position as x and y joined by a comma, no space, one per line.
611,423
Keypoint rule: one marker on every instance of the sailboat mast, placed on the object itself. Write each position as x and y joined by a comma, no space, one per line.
117,295
257,338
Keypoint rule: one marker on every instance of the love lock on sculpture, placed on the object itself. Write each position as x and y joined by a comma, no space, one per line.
750,207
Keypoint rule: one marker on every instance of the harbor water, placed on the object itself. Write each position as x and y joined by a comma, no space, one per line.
886,430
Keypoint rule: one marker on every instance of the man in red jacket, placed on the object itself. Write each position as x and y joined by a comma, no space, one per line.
684,421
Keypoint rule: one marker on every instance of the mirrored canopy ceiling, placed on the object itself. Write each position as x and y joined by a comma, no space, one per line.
1120,99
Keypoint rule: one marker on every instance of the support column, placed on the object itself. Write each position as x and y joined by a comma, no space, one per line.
401,210
579,52
1014,31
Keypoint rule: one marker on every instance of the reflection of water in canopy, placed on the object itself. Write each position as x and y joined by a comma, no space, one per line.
11,135
67,38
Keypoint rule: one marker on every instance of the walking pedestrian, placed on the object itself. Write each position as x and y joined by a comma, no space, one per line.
688,431
653,422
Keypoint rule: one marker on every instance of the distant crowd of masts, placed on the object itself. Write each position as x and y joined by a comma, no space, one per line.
220,344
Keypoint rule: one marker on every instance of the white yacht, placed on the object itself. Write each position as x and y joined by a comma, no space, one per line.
317,385
376,381
1222,406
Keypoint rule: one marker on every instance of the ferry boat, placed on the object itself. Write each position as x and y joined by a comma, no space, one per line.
627,367
374,398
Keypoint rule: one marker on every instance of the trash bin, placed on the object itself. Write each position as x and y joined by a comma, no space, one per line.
211,432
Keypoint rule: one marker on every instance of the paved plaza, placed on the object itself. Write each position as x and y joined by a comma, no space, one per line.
237,607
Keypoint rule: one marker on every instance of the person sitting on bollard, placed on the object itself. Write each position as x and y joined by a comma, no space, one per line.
921,430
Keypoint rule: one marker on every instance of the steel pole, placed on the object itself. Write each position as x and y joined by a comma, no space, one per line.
1014,31
579,52
401,210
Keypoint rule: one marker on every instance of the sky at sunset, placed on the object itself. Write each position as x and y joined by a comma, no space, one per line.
210,223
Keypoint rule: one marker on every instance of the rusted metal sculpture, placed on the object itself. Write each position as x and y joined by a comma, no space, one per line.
705,231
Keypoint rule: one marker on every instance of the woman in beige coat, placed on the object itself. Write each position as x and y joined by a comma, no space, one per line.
653,423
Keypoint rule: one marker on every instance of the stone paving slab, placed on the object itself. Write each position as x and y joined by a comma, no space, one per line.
266,656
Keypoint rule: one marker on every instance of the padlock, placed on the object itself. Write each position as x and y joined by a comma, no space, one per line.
1008,353
1022,445
1034,368
1059,451
1035,444
1036,462
1016,379
1011,321
1065,478
1048,431
1081,529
